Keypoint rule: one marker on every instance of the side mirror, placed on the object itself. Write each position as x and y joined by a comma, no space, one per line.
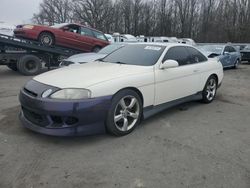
226,53
65,28
169,64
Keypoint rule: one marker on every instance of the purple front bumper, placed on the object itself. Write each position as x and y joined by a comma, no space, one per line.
62,117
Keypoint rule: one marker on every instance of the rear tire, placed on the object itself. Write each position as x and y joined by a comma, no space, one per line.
96,49
46,39
210,89
125,113
29,65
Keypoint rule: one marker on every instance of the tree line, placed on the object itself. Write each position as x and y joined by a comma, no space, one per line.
202,20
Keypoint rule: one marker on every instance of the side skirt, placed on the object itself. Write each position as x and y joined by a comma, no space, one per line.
152,110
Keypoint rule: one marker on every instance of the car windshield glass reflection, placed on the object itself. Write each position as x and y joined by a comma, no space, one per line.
138,54
217,49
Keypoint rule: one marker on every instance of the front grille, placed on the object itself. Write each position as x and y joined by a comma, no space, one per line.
38,119
33,94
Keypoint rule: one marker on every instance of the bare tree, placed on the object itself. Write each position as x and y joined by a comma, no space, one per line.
203,20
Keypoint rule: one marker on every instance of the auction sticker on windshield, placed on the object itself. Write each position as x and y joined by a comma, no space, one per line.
152,48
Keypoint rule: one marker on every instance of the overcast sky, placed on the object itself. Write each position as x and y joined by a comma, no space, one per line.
18,11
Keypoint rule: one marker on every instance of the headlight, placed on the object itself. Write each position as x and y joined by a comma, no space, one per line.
71,94
28,26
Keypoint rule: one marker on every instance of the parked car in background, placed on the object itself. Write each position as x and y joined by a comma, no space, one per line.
116,93
6,29
188,41
110,38
124,37
245,53
227,54
89,57
73,36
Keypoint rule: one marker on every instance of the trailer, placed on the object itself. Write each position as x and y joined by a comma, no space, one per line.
28,57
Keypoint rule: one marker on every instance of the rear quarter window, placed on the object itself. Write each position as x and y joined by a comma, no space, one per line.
100,35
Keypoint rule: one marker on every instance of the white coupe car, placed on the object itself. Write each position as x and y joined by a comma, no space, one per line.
117,92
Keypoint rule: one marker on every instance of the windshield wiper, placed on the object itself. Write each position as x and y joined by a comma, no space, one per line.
101,60
119,62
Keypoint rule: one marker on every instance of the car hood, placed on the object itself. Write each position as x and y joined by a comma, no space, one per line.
89,74
85,57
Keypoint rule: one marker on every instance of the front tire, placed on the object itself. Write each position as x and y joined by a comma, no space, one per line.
125,113
210,89
237,63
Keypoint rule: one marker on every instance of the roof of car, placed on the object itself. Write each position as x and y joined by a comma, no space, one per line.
169,44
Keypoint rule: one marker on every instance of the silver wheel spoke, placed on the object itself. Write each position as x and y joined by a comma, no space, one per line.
132,103
133,115
122,103
208,94
125,124
118,117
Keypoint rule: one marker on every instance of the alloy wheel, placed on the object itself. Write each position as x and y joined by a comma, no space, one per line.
211,89
126,113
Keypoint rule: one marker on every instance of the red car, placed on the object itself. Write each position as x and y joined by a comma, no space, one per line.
67,35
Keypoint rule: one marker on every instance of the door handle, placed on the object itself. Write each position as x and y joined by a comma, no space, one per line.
196,70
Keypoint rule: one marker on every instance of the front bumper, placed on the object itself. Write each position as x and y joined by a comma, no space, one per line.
64,117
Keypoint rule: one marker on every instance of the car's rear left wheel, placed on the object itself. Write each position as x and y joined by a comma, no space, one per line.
46,39
210,89
125,113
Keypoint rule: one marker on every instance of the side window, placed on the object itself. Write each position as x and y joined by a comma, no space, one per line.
99,35
86,32
227,49
232,49
178,54
195,56
73,28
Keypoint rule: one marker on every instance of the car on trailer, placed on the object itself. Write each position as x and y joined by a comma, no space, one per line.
28,57
117,92
68,35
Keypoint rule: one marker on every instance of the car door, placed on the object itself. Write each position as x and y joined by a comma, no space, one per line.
86,39
178,82
225,57
70,37
234,55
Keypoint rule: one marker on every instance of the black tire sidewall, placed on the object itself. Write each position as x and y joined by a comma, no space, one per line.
204,96
110,124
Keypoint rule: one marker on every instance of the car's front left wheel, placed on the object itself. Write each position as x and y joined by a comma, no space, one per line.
125,113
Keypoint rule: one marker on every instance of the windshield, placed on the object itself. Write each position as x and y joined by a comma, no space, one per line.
138,54
110,48
59,25
217,49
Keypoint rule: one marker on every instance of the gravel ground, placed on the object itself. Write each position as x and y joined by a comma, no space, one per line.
192,145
